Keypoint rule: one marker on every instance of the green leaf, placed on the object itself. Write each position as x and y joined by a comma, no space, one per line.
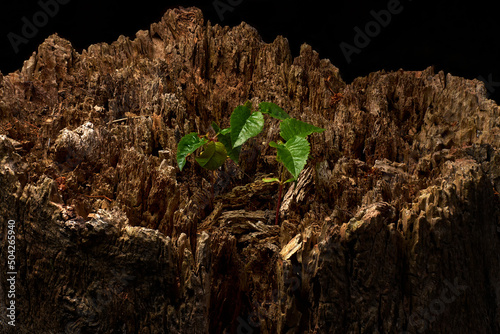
293,154
225,131
248,104
273,110
215,127
293,127
188,144
232,152
224,137
270,179
213,156
218,130
245,125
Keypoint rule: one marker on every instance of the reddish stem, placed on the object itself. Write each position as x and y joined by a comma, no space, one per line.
279,204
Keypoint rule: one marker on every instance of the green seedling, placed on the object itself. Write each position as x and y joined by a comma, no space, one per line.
226,143
292,153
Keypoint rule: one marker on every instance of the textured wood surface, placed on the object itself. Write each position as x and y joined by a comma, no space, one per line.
393,227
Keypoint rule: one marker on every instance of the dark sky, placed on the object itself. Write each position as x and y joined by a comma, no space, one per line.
459,38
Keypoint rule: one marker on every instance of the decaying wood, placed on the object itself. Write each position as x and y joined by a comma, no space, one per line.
292,247
298,191
394,226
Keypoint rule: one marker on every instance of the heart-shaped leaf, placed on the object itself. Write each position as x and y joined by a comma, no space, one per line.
188,144
213,156
245,125
293,154
292,127
273,110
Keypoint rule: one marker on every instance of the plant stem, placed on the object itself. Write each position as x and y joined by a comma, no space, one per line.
278,204
282,172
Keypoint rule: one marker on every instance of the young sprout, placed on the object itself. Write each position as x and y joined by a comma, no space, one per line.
292,153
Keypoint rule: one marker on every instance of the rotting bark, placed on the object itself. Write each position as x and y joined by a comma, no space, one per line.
394,225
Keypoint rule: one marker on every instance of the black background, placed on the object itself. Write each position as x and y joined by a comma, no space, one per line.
460,38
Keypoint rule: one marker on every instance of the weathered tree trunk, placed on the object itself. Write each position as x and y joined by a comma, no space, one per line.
393,227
